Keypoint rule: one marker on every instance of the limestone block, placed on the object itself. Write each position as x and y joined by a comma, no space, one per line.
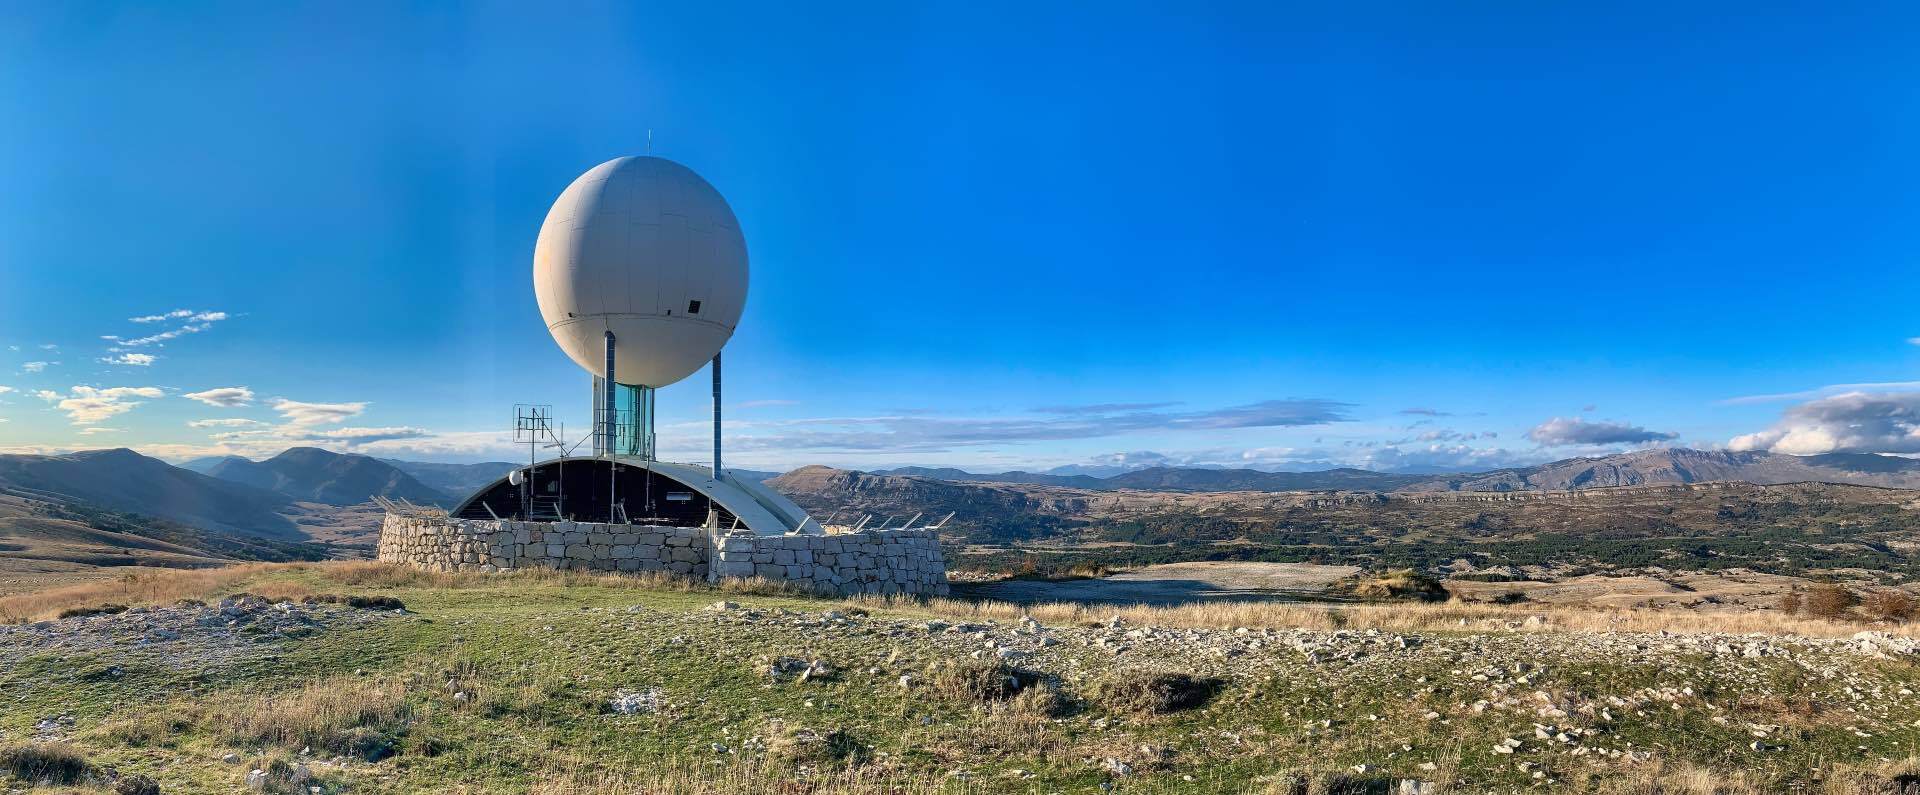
769,571
783,557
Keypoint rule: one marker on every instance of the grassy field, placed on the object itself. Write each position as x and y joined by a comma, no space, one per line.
507,684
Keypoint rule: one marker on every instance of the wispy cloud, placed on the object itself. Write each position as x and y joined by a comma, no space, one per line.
761,404
1426,412
181,314
359,436
5,389
1562,431
914,433
87,405
306,414
133,359
193,322
229,422
1104,408
226,397
1825,391
93,429
37,367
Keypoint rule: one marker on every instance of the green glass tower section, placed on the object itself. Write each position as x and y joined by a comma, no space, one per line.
632,417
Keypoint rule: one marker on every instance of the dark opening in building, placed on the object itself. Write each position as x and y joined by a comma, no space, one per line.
693,307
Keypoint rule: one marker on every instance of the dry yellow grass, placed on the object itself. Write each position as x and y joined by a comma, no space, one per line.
133,588
1408,616
342,715
740,775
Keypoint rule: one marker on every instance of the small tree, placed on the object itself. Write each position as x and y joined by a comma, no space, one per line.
1889,605
1830,600
1790,602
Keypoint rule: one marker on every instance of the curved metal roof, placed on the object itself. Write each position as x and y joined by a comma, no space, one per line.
760,509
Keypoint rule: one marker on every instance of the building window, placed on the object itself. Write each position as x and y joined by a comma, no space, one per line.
693,307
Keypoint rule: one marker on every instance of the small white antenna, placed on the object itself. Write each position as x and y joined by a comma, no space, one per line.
649,142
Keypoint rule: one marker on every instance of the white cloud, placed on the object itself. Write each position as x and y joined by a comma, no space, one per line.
1853,422
49,347
226,397
179,314
89,431
304,414
134,359
357,436
5,389
88,405
757,404
1561,431
1826,391
182,331
36,367
46,395
1913,340
230,422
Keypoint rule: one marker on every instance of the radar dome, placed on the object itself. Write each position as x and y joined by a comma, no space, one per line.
645,248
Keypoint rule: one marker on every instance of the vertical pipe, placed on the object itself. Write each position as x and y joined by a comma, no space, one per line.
612,418
716,416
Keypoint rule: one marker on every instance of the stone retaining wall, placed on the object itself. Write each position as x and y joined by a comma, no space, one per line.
438,544
877,562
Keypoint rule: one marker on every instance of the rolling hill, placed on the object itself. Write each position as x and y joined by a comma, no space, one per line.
457,480
126,481
314,475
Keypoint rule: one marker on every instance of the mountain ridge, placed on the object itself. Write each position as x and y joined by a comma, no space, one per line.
1639,467
315,475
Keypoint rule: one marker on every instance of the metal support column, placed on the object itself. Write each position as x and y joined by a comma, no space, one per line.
716,416
612,419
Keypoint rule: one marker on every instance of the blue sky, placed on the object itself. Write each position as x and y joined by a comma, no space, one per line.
987,235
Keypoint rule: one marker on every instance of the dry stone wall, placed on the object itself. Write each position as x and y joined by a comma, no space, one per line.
877,562
440,544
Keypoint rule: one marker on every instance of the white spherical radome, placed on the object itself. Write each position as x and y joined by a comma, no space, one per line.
645,248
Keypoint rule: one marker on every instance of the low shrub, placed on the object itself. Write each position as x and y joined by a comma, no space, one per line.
1150,693
814,748
1791,602
1888,605
980,681
1830,601
52,763
1400,584
94,610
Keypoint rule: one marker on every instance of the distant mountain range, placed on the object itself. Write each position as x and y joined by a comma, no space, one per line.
458,480
310,474
123,480
1641,467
